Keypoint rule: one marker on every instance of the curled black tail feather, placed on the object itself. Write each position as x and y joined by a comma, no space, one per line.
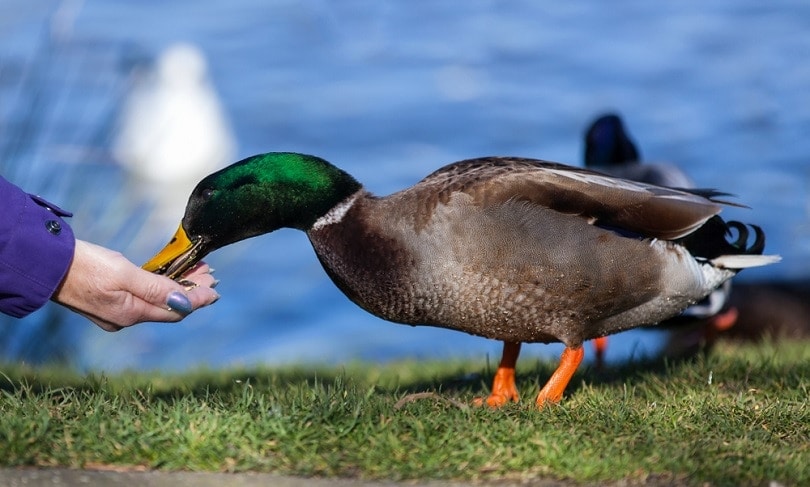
713,239
757,248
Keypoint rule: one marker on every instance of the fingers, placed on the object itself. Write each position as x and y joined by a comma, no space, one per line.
201,273
198,284
182,299
169,301
175,305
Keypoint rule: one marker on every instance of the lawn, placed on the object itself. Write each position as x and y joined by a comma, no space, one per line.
739,416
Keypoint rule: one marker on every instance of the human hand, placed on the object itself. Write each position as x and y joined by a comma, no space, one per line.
114,293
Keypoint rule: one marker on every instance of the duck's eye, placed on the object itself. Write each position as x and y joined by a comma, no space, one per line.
207,194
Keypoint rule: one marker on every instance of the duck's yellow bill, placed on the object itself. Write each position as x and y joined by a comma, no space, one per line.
179,245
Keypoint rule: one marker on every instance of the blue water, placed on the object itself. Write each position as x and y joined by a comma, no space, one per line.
392,90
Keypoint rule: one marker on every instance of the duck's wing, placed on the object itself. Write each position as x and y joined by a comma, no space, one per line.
659,174
639,208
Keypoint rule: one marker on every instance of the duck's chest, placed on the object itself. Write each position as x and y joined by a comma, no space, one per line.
373,269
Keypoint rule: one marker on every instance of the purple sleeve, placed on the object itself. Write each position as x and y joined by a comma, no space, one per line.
36,249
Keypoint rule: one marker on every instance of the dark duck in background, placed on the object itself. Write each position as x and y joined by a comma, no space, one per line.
610,149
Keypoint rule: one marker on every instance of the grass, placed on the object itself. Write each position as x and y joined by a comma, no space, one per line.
737,417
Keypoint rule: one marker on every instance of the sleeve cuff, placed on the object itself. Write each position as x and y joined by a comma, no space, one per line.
36,250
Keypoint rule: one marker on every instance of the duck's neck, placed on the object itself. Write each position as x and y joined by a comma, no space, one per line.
323,198
337,213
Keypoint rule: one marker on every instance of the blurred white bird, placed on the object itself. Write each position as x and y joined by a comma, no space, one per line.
173,131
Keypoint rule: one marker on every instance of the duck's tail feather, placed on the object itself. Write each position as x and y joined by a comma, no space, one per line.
744,261
714,195
714,241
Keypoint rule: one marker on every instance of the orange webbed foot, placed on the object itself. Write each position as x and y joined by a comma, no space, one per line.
503,389
503,385
554,388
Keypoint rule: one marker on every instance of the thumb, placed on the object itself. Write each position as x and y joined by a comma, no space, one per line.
179,302
167,298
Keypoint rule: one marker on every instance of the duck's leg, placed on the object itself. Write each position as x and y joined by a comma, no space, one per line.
724,320
719,323
599,348
553,390
503,385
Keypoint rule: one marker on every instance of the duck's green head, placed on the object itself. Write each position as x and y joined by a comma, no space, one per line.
251,197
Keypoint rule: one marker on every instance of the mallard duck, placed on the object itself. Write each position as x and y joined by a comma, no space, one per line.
512,249
610,149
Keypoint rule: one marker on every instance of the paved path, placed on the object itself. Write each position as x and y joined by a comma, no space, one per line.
62,477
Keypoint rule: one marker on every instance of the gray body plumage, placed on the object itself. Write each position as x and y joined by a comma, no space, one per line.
520,251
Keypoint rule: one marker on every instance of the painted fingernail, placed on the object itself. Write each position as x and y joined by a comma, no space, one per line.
211,270
179,302
214,284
